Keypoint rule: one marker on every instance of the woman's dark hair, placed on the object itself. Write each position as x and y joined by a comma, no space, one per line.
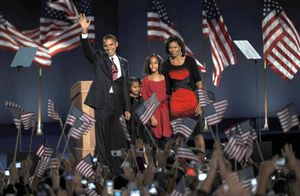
147,64
174,38
134,79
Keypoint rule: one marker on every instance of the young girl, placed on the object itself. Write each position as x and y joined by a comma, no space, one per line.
154,82
136,128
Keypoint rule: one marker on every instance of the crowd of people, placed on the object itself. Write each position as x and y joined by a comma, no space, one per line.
161,173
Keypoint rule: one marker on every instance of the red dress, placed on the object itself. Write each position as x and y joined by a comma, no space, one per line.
163,127
181,85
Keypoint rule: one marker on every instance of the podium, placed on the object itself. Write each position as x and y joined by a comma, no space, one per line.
87,143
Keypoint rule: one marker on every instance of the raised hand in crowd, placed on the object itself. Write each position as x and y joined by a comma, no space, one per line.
77,183
25,170
266,168
13,173
216,160
128,173
294,165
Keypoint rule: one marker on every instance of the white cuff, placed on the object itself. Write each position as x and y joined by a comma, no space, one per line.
84,35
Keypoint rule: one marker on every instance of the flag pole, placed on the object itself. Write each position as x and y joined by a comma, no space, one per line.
266,126
30,144
151,137
204,77
62,131
259,151
66,145
17,142
39,126
64,135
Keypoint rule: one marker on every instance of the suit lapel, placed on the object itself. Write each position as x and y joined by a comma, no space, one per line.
122,66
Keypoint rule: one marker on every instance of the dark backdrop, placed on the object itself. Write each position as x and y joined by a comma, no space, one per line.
127,19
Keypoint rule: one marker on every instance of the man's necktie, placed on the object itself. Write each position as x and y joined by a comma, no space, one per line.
114,69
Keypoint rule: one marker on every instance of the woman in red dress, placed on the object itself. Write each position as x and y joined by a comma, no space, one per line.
154,82
182,81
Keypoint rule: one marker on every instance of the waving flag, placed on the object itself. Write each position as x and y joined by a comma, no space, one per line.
11,39
205,97
91,192
53,163
186,153
288,118
59,28
85,167
44,152
222,49
58,31
146,109
52,113
281,41
160,27
215,112
73,115
183,126
240,144
28,120
16,111
41,167
180,188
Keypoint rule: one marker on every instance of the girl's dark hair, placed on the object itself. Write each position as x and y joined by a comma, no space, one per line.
147,64
174,38
134,79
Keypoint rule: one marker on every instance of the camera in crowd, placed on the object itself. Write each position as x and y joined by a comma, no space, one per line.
281,177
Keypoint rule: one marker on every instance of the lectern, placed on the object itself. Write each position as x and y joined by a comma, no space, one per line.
87,143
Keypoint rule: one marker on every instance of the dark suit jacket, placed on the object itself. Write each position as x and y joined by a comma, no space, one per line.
99,97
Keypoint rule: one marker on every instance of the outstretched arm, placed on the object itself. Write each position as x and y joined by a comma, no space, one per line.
89,53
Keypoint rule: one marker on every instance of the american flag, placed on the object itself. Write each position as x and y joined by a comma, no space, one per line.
41,168
146,109
73,115
186,153
78,130
183,126
11,39
288,118
205,98
58,31
85,166
59,28
214,113
281,41
81,122
222,49
16,111
44,152
235,148
52,113
53,163
240,144
28,120
124,127
160,27
90,192
88,120
180,188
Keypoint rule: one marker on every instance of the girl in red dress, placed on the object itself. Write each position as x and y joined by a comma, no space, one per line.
154,82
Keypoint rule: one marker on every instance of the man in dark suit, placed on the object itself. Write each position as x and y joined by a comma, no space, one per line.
108,94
